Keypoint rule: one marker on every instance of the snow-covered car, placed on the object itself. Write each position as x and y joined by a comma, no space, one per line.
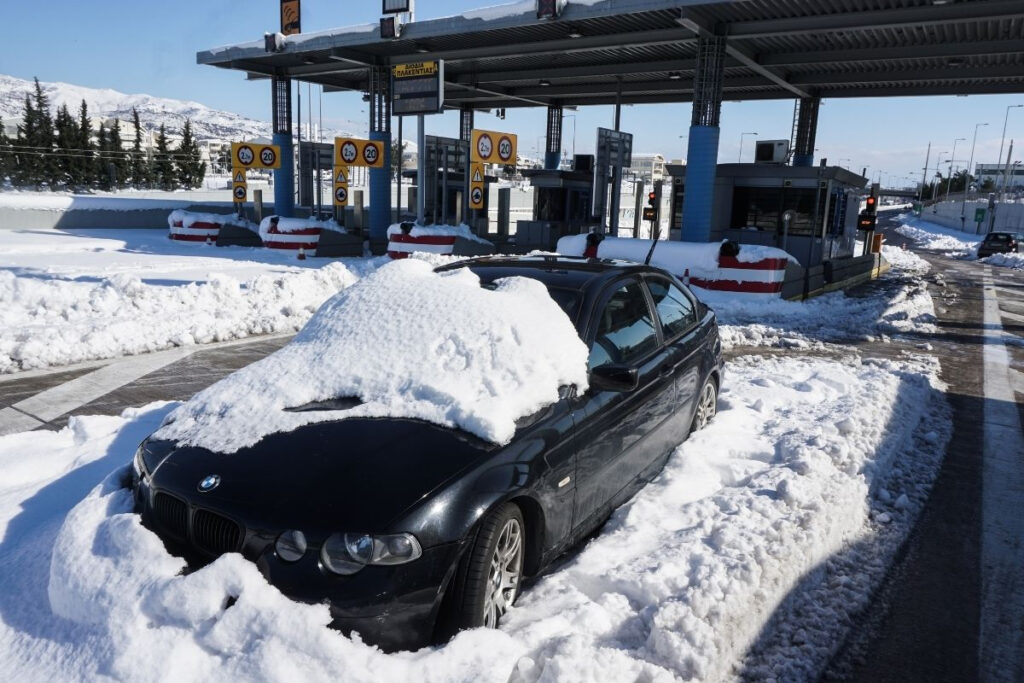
999,243
410,456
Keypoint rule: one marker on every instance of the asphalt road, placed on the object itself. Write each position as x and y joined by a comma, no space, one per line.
951,608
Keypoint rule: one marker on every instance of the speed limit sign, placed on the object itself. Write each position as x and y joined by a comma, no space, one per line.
349,152
244,155
484,146
505,148
268,157
484,150
370,155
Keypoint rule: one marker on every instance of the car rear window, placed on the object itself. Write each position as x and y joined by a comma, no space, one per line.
999,237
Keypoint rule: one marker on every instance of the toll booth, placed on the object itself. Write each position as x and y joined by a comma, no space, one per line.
810,212
561,205
444,198
316,165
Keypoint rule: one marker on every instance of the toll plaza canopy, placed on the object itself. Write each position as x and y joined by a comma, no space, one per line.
646,51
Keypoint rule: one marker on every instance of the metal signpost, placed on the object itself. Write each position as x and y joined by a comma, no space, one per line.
614,152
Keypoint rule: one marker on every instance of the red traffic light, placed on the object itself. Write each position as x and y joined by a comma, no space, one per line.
652,198
871,203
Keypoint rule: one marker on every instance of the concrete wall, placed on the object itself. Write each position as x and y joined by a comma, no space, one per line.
1009,216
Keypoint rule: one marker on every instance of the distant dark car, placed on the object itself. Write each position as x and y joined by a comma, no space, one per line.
410,531
999,243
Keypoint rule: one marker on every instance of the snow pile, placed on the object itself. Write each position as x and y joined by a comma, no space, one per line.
931,236
1009,260
700,258
287,225
806,461
461,230
409,343
47,322
896,303
186,219
58,201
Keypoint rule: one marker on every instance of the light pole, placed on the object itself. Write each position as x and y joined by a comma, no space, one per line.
739,157
937,162
949,180
967,180
999,160
685,150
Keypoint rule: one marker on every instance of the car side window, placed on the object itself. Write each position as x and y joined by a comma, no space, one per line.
625,329
674,308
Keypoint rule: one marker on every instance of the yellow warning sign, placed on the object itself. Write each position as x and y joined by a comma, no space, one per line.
341,177
239,176
415,69
477,173
356,152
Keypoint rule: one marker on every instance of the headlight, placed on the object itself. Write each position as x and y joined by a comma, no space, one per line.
138,465
291,546
348,553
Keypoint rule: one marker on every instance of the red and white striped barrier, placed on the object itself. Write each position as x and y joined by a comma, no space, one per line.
435,239
749,277
187,226
291,233
756,270
400,245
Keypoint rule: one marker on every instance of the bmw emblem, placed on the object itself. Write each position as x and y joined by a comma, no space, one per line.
209,483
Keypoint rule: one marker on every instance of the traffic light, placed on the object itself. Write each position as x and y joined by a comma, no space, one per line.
871,204
651,210
652,198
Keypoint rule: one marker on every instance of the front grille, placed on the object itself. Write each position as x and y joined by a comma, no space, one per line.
215,534
171,514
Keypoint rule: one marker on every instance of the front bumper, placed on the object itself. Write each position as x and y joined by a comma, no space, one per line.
393,607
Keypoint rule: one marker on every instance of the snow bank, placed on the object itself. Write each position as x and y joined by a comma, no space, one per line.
896,303
792,502
56,201
462,231
1010,260
47,322
931,236
410,343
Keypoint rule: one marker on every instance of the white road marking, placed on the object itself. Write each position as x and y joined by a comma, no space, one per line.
1001,640
12,421
54,402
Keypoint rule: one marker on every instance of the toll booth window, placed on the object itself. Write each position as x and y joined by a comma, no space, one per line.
625,329
762,208
549,204
674,308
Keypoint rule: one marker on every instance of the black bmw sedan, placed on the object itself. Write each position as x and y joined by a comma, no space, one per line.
409,548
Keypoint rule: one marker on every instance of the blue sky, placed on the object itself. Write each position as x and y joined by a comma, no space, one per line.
135,47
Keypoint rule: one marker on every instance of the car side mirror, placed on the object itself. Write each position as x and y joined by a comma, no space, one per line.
614,378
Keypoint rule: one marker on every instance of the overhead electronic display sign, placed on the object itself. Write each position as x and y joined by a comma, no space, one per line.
417,88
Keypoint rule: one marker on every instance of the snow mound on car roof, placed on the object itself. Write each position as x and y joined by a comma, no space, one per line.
408,342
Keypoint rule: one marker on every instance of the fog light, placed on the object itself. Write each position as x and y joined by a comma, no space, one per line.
291,545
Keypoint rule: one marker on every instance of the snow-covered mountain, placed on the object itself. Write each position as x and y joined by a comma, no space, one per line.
207,123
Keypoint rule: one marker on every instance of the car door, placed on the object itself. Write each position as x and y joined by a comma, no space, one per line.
677,314
614,429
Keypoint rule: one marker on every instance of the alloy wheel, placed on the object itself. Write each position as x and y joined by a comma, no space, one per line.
707,406
505,572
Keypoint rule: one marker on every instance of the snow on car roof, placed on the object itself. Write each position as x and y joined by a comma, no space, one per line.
410,343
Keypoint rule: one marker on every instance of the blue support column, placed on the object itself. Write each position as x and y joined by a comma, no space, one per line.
284,177
380,190
699,191
806,131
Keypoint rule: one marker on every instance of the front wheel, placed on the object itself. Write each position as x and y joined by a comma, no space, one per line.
490,573
707,405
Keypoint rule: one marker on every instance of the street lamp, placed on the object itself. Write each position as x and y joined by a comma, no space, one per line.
685,150
999,159
967,180
739,157
938,161
949,181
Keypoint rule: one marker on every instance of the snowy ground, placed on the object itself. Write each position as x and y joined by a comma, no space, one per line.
744,559
72,296
953,243
790,503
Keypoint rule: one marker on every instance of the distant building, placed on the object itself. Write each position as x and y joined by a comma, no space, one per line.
649,167
994,172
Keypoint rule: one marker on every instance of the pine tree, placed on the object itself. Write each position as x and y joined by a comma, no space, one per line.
139,164
26,159
65,141
82,168
190,169
163,167
117,155
101,164
6,156
47,170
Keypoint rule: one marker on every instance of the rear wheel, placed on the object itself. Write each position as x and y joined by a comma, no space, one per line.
491,571
707,405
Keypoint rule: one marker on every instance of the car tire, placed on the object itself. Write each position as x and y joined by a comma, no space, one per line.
707,405
490,573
